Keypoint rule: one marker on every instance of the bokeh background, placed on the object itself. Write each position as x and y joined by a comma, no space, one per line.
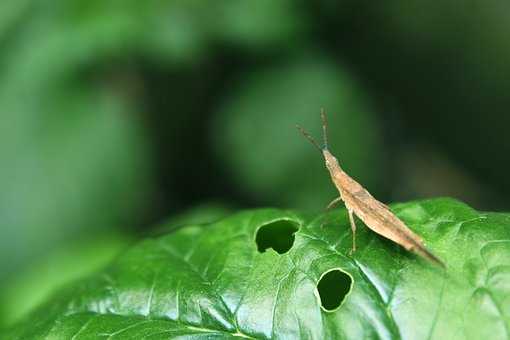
124,118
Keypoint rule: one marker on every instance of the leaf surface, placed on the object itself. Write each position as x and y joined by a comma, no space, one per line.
211,281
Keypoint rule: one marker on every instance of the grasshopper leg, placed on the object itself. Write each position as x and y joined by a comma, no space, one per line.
353,228
334,202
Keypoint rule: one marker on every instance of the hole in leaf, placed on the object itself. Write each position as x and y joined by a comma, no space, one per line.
333,287
278,235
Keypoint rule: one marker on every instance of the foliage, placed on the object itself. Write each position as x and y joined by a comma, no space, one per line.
122,113
79,258
212,281
74,146
261,146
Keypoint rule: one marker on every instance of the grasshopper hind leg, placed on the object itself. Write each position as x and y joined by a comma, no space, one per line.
353,228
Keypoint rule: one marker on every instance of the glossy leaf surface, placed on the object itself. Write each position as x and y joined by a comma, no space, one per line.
212,282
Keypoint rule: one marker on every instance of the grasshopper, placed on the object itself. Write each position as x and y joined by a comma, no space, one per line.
358,201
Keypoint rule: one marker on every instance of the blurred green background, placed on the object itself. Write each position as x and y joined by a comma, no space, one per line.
118,116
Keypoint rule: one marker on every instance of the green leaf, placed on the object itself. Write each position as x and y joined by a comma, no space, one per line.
213,282
76,259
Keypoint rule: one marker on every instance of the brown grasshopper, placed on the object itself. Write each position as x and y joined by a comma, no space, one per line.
358,201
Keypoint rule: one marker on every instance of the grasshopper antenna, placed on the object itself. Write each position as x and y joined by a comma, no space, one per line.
324,128
309,137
